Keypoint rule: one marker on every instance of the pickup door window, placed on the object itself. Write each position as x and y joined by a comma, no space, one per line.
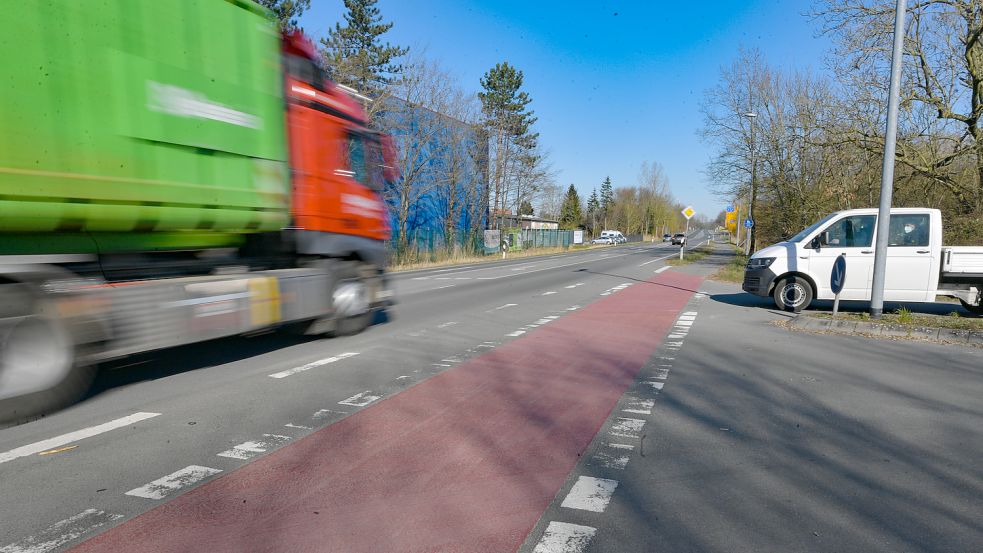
910,260
854,237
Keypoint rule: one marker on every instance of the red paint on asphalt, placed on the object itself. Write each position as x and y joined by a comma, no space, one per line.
465,461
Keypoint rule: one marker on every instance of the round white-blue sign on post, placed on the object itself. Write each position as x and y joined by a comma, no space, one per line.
748,223
838,275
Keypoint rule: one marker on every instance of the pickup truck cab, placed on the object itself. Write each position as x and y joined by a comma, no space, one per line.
919,267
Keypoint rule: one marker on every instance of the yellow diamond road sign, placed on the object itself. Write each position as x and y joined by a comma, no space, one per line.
689,212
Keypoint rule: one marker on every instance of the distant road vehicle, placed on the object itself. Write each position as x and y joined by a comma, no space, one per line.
616,236
666,237
678,239
919,267
602,240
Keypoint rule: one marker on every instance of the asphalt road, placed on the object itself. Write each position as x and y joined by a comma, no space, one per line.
160,424
764,439
589,402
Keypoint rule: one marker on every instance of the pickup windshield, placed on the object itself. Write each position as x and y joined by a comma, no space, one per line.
809,230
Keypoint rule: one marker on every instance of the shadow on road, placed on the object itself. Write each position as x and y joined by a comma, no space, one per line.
153,365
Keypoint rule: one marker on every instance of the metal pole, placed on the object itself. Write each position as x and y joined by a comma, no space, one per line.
750,207
887,172
683,244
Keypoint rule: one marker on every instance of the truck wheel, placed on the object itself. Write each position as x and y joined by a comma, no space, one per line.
350,299
974,309
38,370
792,294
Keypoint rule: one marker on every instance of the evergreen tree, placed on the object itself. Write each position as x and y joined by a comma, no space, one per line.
354,53
509,122
570,214
593,209
286,12
607,199
525,208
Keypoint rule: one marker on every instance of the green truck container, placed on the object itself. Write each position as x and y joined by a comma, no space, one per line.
154,134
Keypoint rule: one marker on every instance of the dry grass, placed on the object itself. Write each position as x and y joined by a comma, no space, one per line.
467,259
907,318
692,256
733,271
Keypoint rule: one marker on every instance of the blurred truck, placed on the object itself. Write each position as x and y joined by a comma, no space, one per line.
171,172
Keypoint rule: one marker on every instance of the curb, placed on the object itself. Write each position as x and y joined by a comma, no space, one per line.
877,330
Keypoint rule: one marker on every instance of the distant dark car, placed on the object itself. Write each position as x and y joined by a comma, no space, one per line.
666,237
678,239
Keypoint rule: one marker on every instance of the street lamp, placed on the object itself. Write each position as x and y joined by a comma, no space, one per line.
750,214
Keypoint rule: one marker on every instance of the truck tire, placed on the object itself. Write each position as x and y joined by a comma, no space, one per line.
350,298
38,368
792,294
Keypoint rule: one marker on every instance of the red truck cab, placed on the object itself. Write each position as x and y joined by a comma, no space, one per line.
337,162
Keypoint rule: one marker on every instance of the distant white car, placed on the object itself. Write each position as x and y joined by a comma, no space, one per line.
603,240
615,236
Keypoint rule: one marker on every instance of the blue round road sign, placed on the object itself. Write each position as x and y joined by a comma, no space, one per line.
748,223
838,276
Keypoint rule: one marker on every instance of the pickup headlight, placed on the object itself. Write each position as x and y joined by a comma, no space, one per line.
760,262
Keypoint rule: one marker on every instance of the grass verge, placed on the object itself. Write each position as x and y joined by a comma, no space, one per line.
733,271
467,259
690,256
904,317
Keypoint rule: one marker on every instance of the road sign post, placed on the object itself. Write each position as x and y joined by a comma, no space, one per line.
836,279
688,213
748,224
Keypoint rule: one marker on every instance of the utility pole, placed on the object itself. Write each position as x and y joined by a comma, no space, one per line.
887,171
748,249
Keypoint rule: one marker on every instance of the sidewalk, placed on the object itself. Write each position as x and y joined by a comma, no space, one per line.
750,437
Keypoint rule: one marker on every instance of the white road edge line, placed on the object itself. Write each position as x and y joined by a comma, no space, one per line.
64,439
563,537
62,532
661,269
312,365
590,494
160,488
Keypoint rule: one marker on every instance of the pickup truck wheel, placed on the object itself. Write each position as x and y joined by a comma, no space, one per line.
974,309
792,294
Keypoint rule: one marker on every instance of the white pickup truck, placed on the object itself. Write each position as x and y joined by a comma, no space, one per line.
919,267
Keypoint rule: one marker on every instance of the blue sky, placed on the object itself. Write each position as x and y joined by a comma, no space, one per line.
613,83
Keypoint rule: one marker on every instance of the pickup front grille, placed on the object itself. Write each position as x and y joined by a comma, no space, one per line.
752,282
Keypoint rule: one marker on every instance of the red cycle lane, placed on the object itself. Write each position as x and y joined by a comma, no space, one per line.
465,461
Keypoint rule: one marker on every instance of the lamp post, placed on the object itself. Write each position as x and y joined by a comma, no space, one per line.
750,213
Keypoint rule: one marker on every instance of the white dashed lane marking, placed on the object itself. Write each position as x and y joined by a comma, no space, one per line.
661,269
640,406
551,292
360,400
312,365
162,487
590,494
62,532
248,450
64,439
563,537
627,427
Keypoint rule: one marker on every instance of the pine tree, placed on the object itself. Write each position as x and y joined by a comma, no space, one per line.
570,214
593,209
607,199
509,121
286,12
354,54
525,208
